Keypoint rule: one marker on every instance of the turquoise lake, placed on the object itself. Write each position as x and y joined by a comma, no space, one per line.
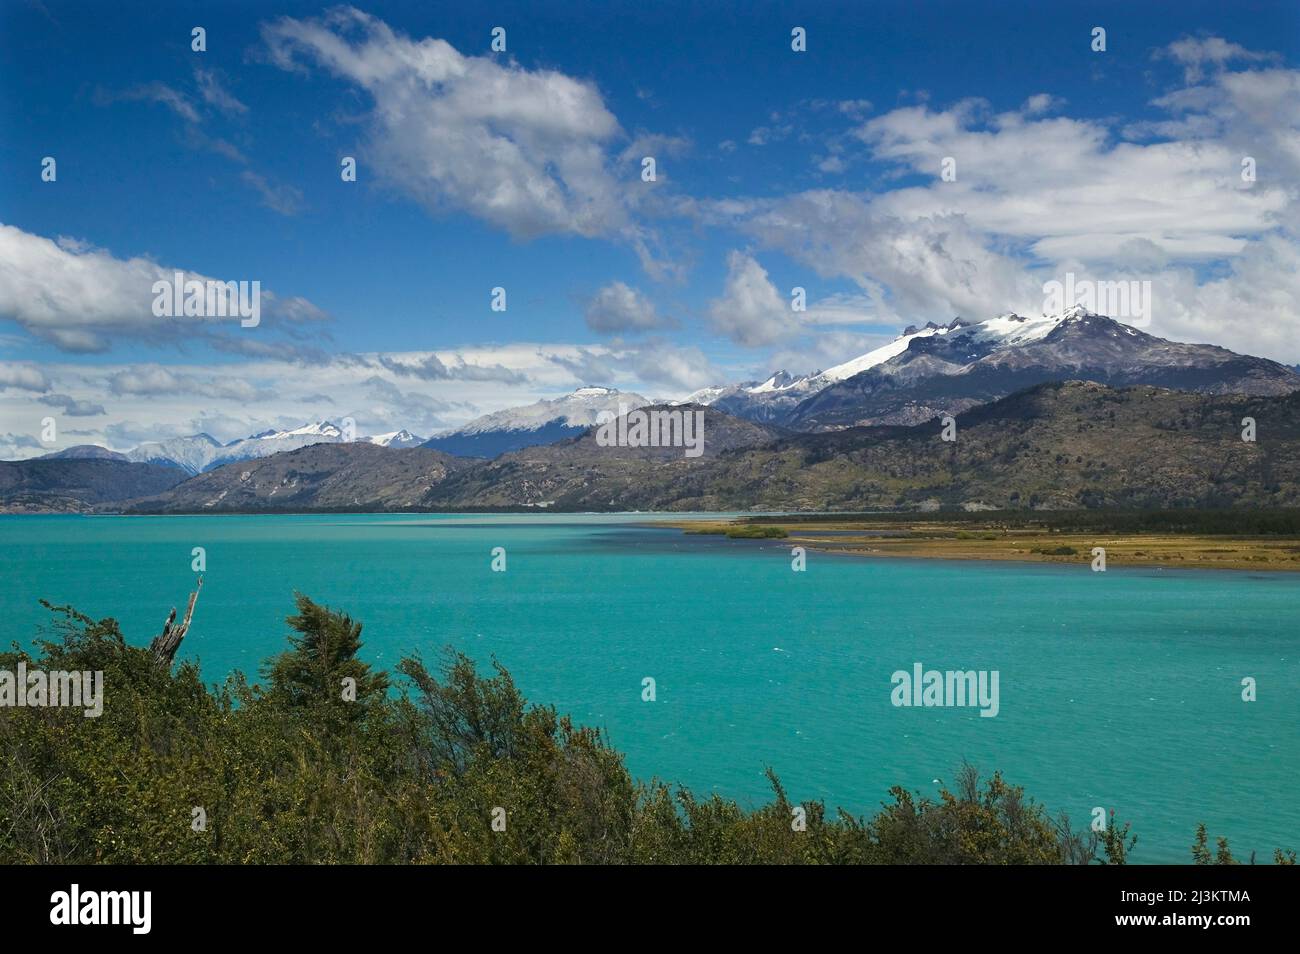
1119,689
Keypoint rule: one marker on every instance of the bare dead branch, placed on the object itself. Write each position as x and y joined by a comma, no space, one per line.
166,643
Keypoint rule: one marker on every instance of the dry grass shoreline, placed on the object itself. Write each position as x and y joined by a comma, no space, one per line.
971,540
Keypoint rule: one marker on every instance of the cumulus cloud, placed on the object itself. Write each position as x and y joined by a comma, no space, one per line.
522,149
1197,54
1038,194
589,366
391,408
681,369
1041,103
82,298
620,308
156,380
1061,187
24,377
19,446
931,266
71,406
751,312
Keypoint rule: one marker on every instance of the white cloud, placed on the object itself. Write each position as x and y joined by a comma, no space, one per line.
1198,54
155,380
209,90
24,377
71,406
751,312
1038,195
754,313
126,404
522,149
83,298
821,351
680,369
278,197
1041,103
173,99
620,308
215,94
1059,185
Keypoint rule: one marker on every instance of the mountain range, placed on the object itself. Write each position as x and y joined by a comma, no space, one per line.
75,485
946,369
545,422
855,435
200,453
1052,446
326,476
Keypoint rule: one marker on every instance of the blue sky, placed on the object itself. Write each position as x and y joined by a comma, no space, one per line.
521,169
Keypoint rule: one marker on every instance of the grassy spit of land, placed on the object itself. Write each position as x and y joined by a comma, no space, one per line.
1208,539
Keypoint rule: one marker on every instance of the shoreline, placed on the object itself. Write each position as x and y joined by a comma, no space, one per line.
971,541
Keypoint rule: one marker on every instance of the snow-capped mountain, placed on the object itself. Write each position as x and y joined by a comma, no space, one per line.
764,401
772,400
543,422
949,368
323,431
402,438
202,452
191,454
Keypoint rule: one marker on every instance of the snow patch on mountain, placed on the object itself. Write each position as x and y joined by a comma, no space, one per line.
578,409
193,454
202,452
842,372
543,422
402,438
1006,330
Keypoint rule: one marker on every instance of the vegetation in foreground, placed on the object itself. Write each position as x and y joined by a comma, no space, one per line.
289,771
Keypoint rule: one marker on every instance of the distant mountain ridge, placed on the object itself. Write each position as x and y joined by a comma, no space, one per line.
324,476
78,484
1070,445
543,422
923,373
200,453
